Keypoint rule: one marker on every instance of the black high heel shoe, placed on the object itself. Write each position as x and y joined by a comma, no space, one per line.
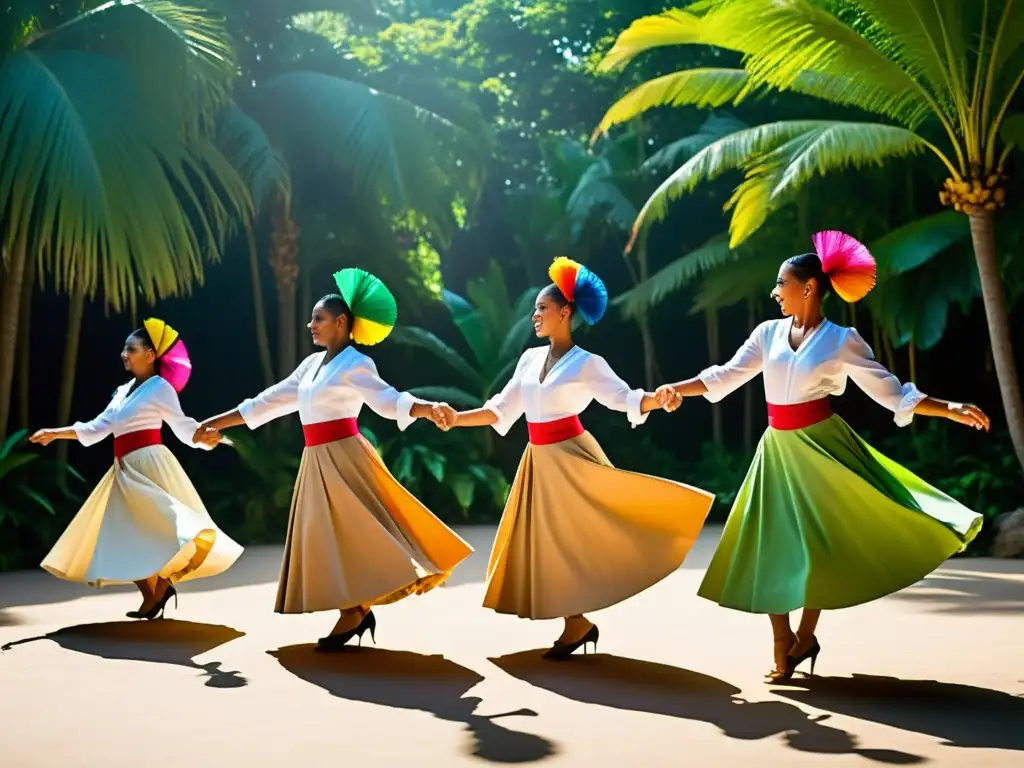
562,651
792,662
157,611
333,643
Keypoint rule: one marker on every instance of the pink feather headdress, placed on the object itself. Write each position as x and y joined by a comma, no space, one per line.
847,262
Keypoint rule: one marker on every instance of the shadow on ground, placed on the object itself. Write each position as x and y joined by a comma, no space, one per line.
986,587
165,641
959,715
643,686
406,680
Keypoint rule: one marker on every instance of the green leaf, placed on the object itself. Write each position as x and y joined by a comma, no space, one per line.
464,489
778,159
1011,131
676,152
598,193
493,479
247,147
432,460
673,27
37,498
452,395
401,468
11,441
10,463
370,436
423,339
639,300
911,245
699,88
468,321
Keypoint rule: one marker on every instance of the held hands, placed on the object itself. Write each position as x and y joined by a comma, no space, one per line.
968,415
668,398
43,437
207,436
443,416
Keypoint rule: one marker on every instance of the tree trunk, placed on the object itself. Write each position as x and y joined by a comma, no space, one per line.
76,308
262,339
711,325
284,259
651,373
303,311
25,347
13,271
984,238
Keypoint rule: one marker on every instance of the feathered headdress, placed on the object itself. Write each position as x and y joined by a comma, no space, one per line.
175,365
847,262
372,305
581,287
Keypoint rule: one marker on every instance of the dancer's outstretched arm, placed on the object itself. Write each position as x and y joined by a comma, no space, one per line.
904,400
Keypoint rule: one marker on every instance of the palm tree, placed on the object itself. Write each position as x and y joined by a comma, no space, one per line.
109,178
943,72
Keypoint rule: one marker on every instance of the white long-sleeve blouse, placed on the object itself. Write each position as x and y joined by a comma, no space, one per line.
574,381
336,390
153,403
828,356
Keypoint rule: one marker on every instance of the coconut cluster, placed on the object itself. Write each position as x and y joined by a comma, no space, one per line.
976,194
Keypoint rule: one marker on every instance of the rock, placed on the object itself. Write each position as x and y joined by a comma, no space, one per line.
1009,540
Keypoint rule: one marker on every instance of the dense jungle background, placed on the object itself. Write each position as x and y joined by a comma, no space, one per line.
214,164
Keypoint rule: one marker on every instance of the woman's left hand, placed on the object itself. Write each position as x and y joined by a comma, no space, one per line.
969,415
668,398
207,436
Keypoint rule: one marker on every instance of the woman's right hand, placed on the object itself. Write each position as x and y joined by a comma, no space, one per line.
668,398
968,415
43,437
444,416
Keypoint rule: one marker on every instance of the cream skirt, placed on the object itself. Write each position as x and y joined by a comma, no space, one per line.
578,535
143,519
357,537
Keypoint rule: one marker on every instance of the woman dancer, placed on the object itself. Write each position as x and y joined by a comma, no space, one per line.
144,522
823,520
577,534
356,538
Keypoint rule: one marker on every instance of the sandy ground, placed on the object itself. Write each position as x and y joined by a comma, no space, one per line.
932,675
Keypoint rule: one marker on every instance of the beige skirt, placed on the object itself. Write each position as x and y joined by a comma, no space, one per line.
143,519
357,537
578,535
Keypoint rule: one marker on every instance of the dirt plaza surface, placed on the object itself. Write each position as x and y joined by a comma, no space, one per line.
933,675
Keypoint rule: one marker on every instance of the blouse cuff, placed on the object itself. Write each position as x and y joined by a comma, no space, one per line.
503,424
912,397
86,435
712,379
633,401
250,414
403,408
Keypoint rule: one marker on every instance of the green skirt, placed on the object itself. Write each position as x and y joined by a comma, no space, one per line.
823,520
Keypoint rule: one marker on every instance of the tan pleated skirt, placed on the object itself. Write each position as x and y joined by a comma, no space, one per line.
143,519
357,537
578,535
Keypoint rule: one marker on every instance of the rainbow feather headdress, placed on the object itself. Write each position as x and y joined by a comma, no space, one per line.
581,287
372,305
847,262
175,364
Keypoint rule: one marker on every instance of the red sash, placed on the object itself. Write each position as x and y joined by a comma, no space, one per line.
548,432
798,415
133,441
329,431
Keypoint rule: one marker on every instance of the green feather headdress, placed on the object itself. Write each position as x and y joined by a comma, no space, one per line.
371,303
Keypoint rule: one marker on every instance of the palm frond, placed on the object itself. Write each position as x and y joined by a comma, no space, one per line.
735,281
694,87
676,152
778,158
1011,131
382,144
674,27
641,299
791,45
248,148
598,192
914,33
423,339
181,54
93,176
